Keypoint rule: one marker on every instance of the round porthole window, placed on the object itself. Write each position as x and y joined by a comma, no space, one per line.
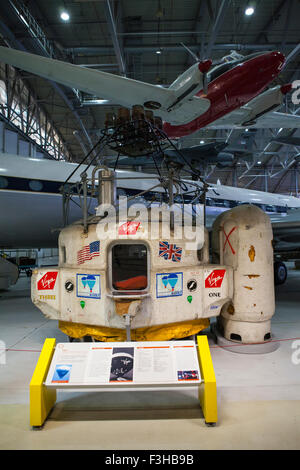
35,185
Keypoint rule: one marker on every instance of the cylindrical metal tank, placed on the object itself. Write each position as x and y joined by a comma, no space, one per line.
149,116
242,238
110,120
158,122
123,116
138,112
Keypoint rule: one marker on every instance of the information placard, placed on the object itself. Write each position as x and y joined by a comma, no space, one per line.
136,363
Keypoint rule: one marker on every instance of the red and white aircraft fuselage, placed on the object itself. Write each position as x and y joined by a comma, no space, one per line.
232,90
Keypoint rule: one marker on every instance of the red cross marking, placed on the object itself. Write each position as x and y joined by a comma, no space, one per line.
227,239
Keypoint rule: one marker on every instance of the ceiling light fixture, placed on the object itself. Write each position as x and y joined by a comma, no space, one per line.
65,16
249,11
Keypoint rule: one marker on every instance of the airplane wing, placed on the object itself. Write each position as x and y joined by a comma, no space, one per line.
176,105
272,119
277,120
260,113
212,149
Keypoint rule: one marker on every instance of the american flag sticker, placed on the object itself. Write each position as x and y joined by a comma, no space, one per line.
88,252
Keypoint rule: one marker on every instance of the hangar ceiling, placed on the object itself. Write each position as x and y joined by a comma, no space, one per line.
143,40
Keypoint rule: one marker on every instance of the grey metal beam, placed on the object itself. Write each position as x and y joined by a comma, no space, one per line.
113,32
11,40
234,177
273,146
33,28
265,180
22,134
197,31
18,45
198,19
168,33
295,74
287,21
210,10
104,50
292,54
296,176
269,23
280,181
217,25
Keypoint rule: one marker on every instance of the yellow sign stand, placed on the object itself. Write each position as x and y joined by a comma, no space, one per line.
42,399
208,386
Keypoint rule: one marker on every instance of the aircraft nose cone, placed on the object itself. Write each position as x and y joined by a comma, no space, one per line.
270,65
277,59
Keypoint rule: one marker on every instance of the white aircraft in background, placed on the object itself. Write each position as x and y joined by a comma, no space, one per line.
9,273
31,200
286,233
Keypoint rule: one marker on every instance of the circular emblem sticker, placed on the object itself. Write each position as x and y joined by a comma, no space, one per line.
191,285
69,286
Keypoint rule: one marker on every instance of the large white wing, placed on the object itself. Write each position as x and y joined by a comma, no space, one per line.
276,120
172,104
260,113
270,120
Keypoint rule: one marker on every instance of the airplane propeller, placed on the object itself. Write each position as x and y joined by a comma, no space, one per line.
197,57
204,65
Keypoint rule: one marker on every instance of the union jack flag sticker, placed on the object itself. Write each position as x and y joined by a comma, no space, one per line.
170,251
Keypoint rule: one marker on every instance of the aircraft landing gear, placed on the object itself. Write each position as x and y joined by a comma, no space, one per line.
280,273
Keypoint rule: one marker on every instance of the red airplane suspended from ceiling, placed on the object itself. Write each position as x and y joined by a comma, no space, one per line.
231,94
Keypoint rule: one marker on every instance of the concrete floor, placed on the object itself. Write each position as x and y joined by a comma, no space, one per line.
258,395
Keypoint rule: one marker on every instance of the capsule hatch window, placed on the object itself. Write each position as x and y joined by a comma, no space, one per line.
129,267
